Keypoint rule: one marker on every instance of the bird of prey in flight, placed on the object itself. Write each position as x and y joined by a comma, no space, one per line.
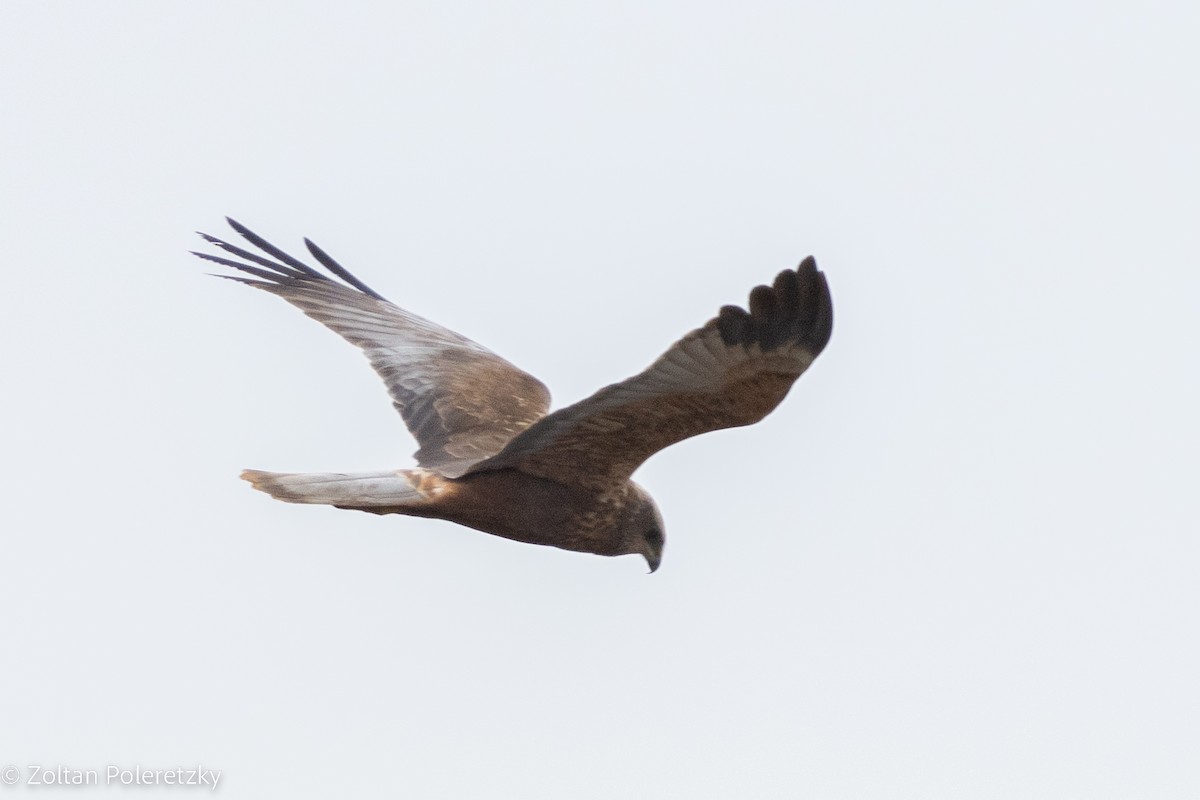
490,456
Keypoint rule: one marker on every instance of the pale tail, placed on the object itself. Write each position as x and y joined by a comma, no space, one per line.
358,490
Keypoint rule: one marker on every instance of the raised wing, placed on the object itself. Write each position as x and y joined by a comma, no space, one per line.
461,401
731,372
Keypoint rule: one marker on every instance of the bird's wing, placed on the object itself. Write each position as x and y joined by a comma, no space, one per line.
731,372
461,401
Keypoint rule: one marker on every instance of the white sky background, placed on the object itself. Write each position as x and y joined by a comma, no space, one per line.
960,561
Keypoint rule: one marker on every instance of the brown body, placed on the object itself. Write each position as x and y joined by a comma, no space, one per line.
522,507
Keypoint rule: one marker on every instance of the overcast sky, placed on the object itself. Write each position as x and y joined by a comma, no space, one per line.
959,561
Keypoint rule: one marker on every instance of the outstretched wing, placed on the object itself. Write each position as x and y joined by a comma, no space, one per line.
461,401
731,372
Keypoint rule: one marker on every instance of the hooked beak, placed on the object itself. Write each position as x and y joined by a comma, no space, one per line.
653,562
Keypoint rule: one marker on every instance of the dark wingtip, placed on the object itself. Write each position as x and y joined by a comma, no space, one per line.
286,268
337,269
823,325
245,232
733,323
795,308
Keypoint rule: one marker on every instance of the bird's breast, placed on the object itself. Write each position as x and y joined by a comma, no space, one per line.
529,509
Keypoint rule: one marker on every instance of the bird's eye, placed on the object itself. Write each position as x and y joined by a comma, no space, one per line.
654,535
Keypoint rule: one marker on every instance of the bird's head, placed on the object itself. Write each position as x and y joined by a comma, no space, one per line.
643,527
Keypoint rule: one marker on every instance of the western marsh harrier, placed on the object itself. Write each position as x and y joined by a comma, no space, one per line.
490,456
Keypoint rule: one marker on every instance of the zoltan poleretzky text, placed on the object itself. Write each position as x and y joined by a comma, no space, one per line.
111,775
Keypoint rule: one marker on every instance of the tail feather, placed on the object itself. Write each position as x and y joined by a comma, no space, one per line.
357,490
